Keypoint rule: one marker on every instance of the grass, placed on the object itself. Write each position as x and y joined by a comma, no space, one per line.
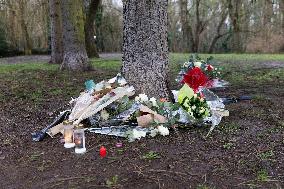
28,80
262,175
112,182
266,155
151,156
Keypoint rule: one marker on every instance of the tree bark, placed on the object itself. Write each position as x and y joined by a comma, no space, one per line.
145,47
89,28
56,32
75,54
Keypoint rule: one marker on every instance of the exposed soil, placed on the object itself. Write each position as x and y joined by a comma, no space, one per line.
245,151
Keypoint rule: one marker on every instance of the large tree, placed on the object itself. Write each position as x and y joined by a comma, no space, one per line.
56,32
145,46
75,54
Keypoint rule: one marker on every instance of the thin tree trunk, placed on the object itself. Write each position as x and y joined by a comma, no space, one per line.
25,33
89,28
75,54
282,12
145,47
219,27
56,32
184,17
233,8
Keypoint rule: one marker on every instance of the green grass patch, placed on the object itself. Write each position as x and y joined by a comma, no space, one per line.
151,155
232,57
262,175
266,155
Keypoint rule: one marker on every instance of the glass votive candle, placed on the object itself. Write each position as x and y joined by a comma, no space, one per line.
68,136
79,139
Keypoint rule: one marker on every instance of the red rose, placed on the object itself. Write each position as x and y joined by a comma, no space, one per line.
195,78
210,67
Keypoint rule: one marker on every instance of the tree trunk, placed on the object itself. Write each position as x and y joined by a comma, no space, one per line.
219,27
25,33
185,27
145,47
234,8
89,28
56,32
75,55
282,12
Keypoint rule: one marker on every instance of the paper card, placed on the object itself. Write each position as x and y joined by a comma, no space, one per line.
55,130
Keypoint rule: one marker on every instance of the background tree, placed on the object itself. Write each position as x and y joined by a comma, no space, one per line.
56,32
193,25
145,47
91,7
75,54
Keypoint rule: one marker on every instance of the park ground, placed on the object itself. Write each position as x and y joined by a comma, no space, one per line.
245,151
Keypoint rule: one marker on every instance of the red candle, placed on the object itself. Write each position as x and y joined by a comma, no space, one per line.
103,152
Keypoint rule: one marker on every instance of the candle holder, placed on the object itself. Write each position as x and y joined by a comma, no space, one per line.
79,139
68,136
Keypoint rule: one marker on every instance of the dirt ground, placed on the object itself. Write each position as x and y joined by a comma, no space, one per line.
245,151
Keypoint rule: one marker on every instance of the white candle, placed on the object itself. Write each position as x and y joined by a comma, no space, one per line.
79,139
68,136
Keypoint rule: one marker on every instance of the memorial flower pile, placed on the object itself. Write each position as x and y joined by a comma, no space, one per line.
111,107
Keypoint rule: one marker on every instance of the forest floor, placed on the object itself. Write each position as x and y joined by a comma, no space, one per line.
245,151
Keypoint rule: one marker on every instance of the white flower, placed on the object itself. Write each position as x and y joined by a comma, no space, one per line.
137,98
186,64
197,64
112,80
154,101
154,132
163,130
193,107
104,115
143,98
195,95
201,99
201,110
138,134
